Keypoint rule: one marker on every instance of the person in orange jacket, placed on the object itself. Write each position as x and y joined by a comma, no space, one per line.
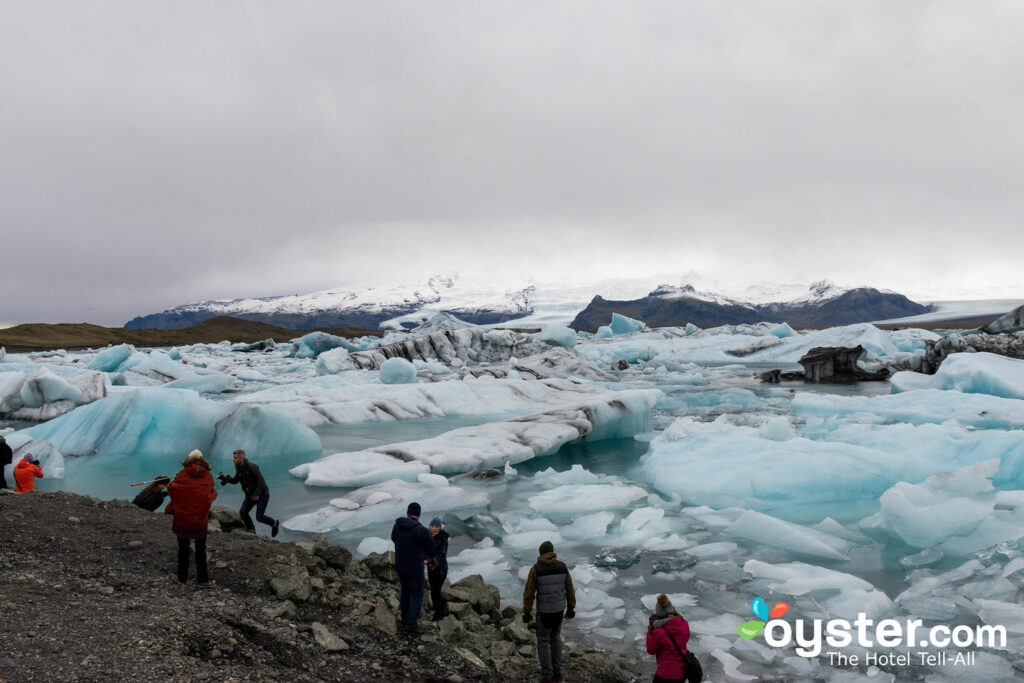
25,474
192,493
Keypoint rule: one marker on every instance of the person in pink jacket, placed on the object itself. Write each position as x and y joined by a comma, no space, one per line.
667,634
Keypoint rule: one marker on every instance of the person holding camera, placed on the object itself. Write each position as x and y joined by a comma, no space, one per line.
25,474
255,490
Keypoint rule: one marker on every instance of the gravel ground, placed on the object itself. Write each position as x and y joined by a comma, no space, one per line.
85,595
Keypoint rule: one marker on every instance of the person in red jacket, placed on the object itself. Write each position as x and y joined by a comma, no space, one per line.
667,634
192,493
25,474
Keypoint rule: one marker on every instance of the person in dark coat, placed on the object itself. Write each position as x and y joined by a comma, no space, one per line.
667,635
413,545
152,497
6,458
255,490
437,568
192,493
550,582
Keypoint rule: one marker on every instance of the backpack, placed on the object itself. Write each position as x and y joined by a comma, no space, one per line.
694,671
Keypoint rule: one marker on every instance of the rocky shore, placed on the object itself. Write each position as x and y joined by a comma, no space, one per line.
85,595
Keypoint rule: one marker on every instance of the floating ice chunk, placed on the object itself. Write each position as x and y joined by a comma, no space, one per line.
315,343
622,325
999,613
782,330
361,468
110,359
760,528
590,598
46,387
483,559
615,414
588,528
10,390
843,595
610,632
215,383
388,500
568,501
530,540
710,550
778,429
558,336
917,407
397,371
973,373
731,665
983,666
640,525
604,332
662,544
171,422
374,544
575,475
691,329
251,375
720,625
332,362
957,512
924,584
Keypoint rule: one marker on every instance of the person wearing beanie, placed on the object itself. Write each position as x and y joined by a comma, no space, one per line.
437,568
550,582
192,493
413,545
667,635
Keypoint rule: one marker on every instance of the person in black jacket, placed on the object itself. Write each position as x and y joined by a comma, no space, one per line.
255,490
413,545
437,568
151,497
6,458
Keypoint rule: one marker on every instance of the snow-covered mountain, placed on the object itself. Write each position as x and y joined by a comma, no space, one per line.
518,300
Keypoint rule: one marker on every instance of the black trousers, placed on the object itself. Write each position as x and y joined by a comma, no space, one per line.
202,575
440,606
3,478
659,679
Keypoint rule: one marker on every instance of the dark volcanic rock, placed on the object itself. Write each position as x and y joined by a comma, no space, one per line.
837,364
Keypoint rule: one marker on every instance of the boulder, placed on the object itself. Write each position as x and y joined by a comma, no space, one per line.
381,566
336,556
837,364
452,630
227,518
460,610
518,633
327,640
473,590
470,657
292,583
381,619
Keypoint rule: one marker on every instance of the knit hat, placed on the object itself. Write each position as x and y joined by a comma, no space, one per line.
192,457
664,607
546,547
436,521
413,510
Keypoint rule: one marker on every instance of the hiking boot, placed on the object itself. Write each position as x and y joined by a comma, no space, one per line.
175,579
209,584
277,527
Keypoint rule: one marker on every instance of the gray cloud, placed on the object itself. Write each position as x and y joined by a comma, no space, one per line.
158,153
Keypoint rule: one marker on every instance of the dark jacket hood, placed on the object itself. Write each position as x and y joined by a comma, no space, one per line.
404,523
547,558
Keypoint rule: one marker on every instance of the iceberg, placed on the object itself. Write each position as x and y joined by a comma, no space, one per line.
917,407
795,538
46,387
315,343
332,362
10,390
957,513
158,422
622,325
465,345
565,502
782,330
973,373
386,501
842,595
495,444
558,336
604,332
397,371
357,469
214,383
111,358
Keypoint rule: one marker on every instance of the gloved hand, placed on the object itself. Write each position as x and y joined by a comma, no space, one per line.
527,617
570,613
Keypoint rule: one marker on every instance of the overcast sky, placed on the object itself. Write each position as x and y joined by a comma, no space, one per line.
157,153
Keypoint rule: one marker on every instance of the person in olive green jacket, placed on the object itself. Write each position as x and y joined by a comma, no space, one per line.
550,582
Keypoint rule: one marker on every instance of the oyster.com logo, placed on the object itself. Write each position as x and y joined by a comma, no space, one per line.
760,609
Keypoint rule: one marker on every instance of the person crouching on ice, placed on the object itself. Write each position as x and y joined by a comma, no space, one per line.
25,474
667,635
192,494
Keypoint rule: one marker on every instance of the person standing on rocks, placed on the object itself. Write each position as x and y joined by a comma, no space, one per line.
25,474
550,582
192,493
255,490
437,567
6,458
667,635
413,545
